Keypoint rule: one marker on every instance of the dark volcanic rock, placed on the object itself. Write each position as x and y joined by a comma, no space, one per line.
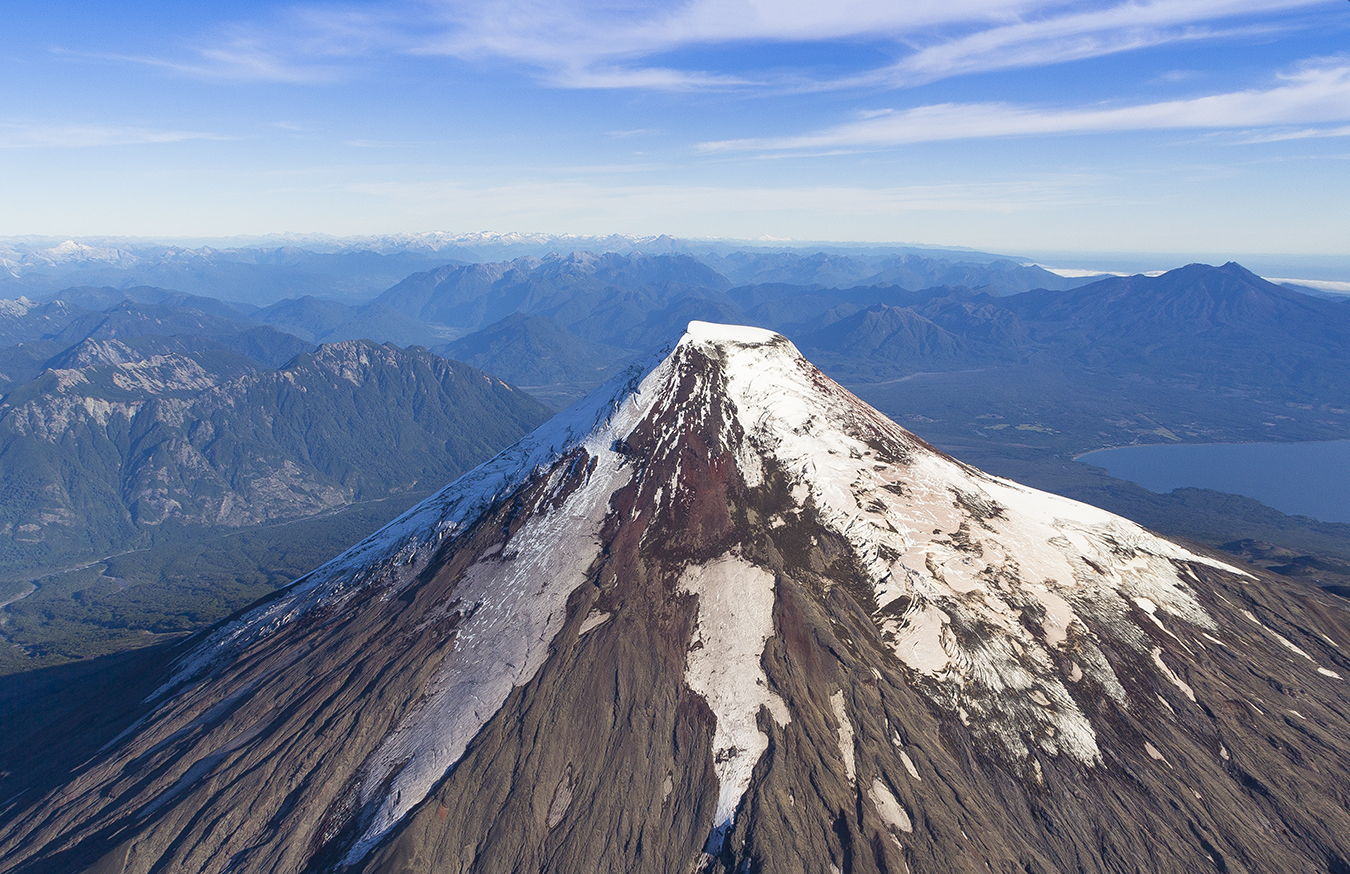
723,616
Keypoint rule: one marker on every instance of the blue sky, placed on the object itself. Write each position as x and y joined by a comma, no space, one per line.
1216,126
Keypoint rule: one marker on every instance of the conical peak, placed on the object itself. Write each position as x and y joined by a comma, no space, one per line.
714,334
697,509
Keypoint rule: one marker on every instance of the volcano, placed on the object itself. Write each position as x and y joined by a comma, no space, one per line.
722,615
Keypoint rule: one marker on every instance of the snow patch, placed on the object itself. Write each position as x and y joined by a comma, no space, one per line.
1171,677
17,307
593,620
909,765
716,334
723,665
890,808
1290,645
845,735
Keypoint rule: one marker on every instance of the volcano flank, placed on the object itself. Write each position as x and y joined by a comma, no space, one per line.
722,615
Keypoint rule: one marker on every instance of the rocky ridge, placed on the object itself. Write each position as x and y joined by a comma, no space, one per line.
121,436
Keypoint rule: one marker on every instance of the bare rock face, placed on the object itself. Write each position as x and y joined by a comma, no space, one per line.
724,616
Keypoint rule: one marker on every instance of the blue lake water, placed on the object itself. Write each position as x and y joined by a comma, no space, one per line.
1309,479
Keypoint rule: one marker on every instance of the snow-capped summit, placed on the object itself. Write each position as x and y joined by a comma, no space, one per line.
16,307
723,615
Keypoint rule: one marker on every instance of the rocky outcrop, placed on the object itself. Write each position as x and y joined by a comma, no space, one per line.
128,436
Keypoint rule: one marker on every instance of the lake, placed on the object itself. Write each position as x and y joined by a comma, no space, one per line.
1309,479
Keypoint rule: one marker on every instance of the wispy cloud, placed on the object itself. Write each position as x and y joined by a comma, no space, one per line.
1307,133
1044,39
605,44
30,136
1316,94
651,78
240,61
302,45
626,44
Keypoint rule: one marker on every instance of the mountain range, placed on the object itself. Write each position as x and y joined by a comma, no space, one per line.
251,275
722,616
539,355
119,437
1019,383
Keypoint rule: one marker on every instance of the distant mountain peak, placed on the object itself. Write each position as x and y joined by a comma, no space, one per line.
16,307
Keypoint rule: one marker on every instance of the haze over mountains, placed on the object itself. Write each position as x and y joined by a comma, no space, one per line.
1213,330
355,270
131,412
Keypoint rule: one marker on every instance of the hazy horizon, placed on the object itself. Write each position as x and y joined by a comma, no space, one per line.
1196,126
1328,273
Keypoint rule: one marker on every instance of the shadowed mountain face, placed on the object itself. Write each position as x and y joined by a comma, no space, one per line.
324,321
23,320
539,355
889,333
122,314
912,270
724,616
618,300
133,319
1221,326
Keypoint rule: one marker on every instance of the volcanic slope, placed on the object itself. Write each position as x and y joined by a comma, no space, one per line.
721,615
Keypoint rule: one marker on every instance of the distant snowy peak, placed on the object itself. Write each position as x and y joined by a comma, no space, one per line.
488,245
440,239
23,255
19,257
17,307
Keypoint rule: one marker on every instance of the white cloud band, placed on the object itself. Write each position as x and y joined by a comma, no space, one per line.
1313,95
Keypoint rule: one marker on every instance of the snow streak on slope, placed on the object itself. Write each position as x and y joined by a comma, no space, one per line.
395,554
958,560
735,619
515,606
16,307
